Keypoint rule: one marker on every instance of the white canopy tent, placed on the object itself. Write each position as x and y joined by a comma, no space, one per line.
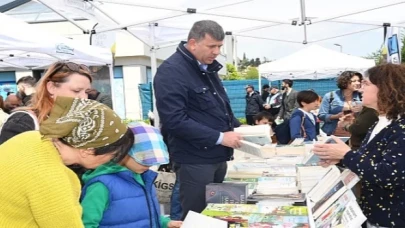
159,23
23,46
313,62
26,47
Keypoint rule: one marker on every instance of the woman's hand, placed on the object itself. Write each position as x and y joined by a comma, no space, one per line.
174,224
337,116
331,151
326,163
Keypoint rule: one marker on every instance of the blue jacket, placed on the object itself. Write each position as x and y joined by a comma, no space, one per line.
380,164
329,108
130,203
193,108
296,125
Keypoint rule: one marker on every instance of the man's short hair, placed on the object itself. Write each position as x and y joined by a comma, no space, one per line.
266,86
288,82
29,80
201,28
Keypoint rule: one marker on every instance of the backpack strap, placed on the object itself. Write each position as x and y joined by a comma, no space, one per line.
331,97
302,126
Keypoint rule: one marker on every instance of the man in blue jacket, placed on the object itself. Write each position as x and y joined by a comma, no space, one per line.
195,111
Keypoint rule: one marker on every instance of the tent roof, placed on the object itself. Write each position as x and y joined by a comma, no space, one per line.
325,22
271,19
313,62
24,46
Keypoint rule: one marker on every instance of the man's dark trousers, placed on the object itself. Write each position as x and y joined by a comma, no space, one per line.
193,179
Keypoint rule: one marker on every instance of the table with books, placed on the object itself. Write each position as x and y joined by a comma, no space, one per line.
281,186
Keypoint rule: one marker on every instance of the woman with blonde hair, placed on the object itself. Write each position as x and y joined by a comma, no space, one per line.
66,79
37,189
380,160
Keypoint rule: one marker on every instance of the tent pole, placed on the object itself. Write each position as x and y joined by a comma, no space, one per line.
304,21
235,52
112,86
112,19
153,69
260,84
67,18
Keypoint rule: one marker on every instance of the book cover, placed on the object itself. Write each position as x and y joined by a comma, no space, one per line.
333,215
227,193
328,199
259,134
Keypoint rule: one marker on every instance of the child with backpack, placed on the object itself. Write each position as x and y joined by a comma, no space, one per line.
124,195
303,123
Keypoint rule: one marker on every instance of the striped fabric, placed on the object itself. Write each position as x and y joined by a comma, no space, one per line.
149,148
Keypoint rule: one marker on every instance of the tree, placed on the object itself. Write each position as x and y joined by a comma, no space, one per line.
257,62
252,73
377,56
252,62
231,73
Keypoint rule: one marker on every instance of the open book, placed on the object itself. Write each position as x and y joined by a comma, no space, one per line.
259,134
257,140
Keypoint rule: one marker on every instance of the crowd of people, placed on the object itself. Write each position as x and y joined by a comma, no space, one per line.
68,160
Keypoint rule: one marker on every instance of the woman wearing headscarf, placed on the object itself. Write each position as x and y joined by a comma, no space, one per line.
37,189
380,160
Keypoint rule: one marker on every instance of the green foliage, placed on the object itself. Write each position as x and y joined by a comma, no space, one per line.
242,120
252,73
377,56
232,73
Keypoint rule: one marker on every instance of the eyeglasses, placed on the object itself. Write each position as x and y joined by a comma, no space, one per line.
71,66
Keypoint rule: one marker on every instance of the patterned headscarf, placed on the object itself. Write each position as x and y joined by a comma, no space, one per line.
149,148
83,123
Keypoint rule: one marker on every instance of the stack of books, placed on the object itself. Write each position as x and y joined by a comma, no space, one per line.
277,184
227,193
309,176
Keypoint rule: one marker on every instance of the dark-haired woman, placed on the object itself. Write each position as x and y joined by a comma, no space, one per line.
336,104
380,160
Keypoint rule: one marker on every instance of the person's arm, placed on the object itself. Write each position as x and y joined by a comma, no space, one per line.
164,221
388,173
363,122
236,122
15,125
52,199
94,203
296,105
282,107
295,127
171,100
324,108
259,101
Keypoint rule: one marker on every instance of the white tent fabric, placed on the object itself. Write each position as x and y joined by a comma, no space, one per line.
26,47
313,62
292,21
